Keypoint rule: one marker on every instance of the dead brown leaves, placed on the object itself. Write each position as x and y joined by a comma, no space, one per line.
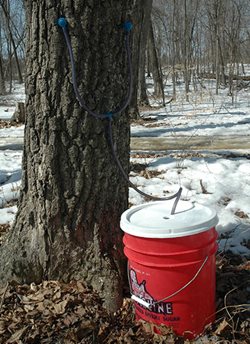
4,228
5,124
60,313
51,312
241,214
54,312
9,124
233,314
148,174
143,171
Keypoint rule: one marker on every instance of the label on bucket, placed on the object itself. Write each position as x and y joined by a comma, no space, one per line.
159,296
146,302
154,220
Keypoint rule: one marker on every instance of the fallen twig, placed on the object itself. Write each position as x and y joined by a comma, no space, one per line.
3,296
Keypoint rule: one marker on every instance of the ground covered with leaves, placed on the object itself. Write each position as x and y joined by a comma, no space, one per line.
58,313
8,124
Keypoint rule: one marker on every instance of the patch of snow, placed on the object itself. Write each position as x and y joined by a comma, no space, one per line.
216,179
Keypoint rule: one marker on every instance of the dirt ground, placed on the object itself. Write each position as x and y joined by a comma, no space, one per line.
196,143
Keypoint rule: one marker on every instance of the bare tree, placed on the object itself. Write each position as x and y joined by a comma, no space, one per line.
232,30
12,42
190,18
6,10
2,77
146,13
155,65
203,38
141,19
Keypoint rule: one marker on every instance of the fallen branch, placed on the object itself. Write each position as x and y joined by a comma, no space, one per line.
3,296
203,189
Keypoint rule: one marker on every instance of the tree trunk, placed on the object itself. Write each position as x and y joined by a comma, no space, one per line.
140,19
6,11
19,114
223,77
2,78
156,70
173,35
148,63
185,52
146,13
67,225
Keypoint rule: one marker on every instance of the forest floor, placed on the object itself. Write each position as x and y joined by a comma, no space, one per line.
53,312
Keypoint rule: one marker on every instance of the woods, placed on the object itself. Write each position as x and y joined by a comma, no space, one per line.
188,39
197,37
12,49
67,226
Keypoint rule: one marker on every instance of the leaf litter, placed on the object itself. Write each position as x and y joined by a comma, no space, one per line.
8,124
67,313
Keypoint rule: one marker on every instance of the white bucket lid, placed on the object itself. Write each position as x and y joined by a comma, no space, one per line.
154,220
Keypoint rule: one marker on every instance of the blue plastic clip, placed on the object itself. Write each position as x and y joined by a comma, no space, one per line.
62,22
109,115
127,25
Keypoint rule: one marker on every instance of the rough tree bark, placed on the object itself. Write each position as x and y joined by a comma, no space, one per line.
141,19
155,65
19,113
6,11
173,45
146,13
67,225
2,79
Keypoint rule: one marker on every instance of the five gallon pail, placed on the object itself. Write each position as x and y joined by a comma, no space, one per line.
171,264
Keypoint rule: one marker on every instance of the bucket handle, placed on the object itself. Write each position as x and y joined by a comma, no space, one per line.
148,305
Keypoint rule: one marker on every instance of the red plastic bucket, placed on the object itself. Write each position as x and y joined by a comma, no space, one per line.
171,264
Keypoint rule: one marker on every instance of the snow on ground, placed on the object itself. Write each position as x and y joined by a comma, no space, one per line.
10,181
204,114
12,132
8,102
221,183
220,179
204,122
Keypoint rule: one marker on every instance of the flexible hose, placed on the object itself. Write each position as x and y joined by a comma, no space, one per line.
177,195
74,81
109,115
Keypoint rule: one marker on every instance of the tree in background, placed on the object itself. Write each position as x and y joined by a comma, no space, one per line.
144,33
67,225
155,65
12,32
141,18
202,39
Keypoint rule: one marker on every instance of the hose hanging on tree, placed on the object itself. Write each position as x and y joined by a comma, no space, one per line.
127,26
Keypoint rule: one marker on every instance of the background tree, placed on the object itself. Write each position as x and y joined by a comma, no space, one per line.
202,39
155,65
6,10
145,29
67,225
232,31
141,19
12,31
